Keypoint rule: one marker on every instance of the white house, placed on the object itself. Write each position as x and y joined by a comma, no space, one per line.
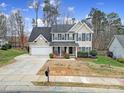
2,42
60,39
117,46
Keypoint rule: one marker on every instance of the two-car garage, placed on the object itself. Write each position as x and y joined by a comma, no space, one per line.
40,50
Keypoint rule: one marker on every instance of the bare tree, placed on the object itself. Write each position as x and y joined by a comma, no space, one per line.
3,25
51,12
17,27
35,5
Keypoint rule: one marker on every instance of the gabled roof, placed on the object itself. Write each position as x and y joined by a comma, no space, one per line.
61,28
89,24
82,23
45,31
120,38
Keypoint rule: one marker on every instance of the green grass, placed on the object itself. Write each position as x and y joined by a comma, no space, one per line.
7,55
107,60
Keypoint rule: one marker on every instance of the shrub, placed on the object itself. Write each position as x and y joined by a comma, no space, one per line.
51,55
4,47
8,46
109,54
66,56
93,53
82,54
121,60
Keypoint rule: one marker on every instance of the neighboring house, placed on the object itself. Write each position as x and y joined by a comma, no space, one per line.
116,46
60,39
2,42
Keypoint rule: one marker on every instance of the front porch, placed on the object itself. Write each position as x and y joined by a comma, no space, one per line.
61,51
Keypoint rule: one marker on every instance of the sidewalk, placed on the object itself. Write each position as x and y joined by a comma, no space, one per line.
86,80
57,89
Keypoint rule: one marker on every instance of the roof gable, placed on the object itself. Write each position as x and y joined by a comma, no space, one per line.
79,25
44,31
120,39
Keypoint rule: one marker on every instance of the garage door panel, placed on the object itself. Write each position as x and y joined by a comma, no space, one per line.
41,51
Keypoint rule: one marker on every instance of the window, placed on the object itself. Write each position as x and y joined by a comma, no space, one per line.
83,37
70,36
88,37
55,36
80,48
83,48
89,48
59,36
86,49
63,37
79,37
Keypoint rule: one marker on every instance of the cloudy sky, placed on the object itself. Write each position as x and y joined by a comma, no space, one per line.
79,8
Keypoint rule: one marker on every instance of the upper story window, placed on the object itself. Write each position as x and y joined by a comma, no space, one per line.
88,37
55,37
83,37
63,37
79,37
71,37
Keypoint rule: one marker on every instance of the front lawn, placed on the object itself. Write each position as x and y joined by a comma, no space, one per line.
80,67
108,60
6,56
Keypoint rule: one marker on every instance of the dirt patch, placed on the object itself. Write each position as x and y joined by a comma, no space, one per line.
77,68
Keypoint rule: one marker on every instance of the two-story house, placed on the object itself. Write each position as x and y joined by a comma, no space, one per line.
60,39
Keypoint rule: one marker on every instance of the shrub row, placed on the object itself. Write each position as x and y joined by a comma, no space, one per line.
85,54
6,46
66,56
121,60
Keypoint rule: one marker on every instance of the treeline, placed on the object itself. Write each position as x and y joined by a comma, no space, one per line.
12,28
105,26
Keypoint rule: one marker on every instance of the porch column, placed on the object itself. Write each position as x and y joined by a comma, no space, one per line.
60,52
52,49
67,50
76,52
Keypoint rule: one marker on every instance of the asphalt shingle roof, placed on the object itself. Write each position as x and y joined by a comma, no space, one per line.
61,28
120,39
45,31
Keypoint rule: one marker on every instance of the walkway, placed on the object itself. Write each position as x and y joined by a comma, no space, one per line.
86,80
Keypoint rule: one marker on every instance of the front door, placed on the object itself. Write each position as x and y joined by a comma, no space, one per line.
70,50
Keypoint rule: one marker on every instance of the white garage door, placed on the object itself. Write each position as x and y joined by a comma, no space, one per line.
45,51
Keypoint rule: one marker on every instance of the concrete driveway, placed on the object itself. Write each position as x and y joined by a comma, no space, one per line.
22,72
24,65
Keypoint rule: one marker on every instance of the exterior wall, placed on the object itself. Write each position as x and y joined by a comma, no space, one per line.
40,47
117,49
84,29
